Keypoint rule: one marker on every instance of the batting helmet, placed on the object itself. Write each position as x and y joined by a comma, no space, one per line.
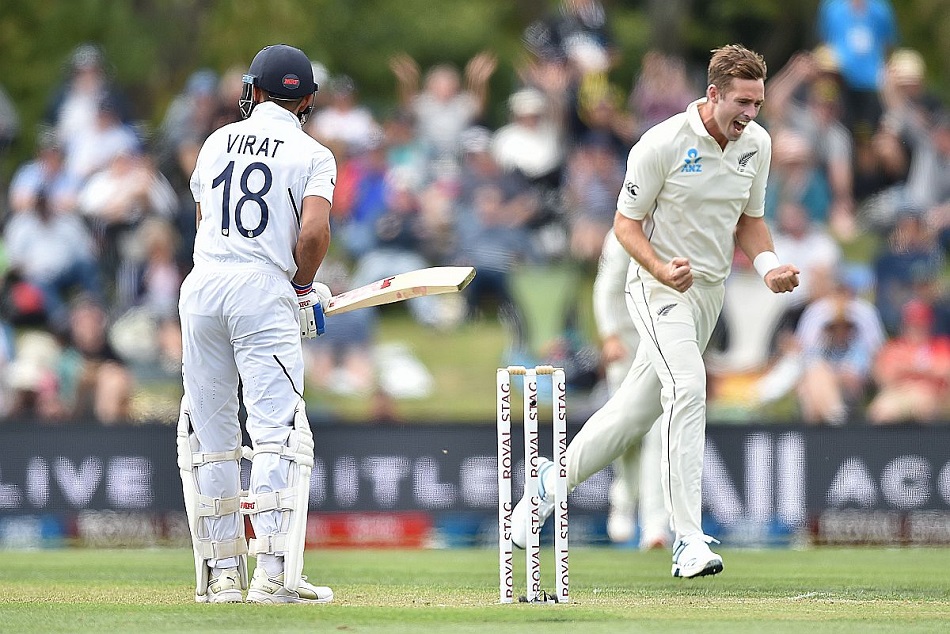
284,72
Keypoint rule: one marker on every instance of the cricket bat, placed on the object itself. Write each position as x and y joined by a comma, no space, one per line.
432,281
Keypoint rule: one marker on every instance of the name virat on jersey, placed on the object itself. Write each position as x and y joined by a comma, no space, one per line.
249,144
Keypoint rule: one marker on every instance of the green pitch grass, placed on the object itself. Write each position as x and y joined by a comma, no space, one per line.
614,590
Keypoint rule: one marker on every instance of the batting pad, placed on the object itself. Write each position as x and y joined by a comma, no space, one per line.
199,506
292,503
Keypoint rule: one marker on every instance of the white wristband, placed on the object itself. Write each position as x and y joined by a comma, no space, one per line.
765,262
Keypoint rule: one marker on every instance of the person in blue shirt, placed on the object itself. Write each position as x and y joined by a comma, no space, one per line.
861,34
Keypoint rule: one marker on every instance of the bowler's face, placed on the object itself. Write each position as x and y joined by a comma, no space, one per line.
735,107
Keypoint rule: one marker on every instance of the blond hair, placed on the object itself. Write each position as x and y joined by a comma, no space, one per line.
734,61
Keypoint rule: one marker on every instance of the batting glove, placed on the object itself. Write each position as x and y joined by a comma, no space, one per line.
311,298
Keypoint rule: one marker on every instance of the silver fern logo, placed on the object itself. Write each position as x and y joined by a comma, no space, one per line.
744,159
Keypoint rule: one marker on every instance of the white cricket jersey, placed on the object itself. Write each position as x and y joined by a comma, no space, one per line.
690,192
250,180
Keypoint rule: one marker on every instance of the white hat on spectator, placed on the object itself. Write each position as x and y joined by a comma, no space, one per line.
826,59
907,66
37,354
527,102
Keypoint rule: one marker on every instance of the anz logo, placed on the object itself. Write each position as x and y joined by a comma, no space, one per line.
692,165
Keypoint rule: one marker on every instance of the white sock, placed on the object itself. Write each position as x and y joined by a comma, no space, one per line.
273,564
220,565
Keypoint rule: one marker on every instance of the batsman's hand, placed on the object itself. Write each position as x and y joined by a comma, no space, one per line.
311,299
782,279
677,274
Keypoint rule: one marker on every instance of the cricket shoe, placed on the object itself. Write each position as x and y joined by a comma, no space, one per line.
225,588
266,589
692,557
520,514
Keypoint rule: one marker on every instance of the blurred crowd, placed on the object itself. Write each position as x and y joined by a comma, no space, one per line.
99,224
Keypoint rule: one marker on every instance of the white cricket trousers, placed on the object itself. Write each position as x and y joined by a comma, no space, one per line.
667,380
240,322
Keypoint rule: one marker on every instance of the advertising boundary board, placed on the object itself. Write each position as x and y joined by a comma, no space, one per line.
762,484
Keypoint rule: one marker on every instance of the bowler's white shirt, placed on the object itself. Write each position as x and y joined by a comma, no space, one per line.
690,192
268,158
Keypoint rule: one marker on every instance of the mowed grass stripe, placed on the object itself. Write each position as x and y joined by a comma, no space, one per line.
614,590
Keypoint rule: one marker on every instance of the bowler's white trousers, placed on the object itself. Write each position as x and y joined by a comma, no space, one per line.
239,322
667,377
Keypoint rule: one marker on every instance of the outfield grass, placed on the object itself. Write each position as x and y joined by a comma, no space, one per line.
822,590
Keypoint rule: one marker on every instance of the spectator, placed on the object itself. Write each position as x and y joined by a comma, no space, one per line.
912,372
905,82
799,239
811,340
115,201
910,254
532,143
820,312
932,289
577,32
344,120
599,113
149,331
836,372
92,150
442,108
94,383
662,89
30,377
401,239
188,121
74,108
795,179
54,252
360,197
404,151
479,169
44,174
9,121
860,33
592,179
494,246
926,135
880,163
805,97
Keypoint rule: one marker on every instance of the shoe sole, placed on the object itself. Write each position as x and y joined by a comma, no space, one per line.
713,567
270,599
232,596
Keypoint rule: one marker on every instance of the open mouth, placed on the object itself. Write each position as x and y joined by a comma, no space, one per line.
739,126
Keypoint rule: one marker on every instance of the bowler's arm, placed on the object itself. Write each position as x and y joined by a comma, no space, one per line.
634,240
753,237
677,273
